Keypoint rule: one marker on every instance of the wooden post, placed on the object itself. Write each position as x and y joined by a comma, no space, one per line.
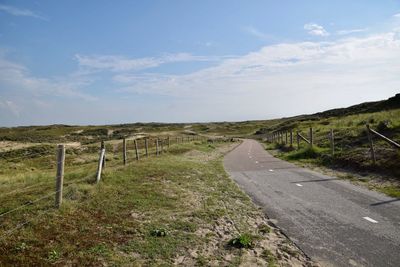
177,140
311,137
60,174
298,141
124,150
100,165
371,143
162,145
157,152
146,145
104,159
332,139
169,142
291,138
286,134
136,150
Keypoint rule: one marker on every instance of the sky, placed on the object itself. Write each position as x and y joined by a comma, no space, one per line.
108,62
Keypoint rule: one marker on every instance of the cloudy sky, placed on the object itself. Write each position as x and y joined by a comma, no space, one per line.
102,62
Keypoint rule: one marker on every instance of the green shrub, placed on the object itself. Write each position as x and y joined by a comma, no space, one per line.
305,153
242,241
159,232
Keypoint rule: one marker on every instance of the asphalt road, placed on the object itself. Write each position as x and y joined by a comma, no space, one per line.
332,221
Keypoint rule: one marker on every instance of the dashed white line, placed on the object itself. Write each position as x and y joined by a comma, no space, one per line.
271,170
370,220
299,184
256,162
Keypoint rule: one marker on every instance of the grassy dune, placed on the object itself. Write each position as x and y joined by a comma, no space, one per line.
177,209
352,158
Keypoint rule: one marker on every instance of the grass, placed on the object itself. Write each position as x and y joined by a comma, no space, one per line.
150,212
242,241
364,174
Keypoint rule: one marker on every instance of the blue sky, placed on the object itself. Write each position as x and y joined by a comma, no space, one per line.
101,62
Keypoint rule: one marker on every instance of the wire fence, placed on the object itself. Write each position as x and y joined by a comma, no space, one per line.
336,140
34,193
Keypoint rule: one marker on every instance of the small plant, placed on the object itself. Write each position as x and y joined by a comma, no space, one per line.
242,241
21,247
305,153
269,257
383,126
53,256
159,232
100,249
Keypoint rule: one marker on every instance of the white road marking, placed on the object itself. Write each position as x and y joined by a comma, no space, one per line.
271,170
256,162
299,184
370,220
250,157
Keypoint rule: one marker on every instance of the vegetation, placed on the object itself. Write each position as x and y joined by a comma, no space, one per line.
242,241
352,158
179,208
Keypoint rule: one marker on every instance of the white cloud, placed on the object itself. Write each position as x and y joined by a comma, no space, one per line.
20,12
315,29
257,33
16,77
345,32
286,72
120,63
396,15
276,80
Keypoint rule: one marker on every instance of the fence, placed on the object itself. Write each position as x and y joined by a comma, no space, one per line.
286,138
128,150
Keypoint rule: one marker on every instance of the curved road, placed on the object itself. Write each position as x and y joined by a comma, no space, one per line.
334,222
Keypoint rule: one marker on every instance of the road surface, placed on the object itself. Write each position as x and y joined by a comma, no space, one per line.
332,221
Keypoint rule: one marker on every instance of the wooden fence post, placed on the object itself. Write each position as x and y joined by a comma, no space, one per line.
332,138
371,143
157,152
104,158
169,142
146,145
291,138
100,165
298,140
124,150
162,146
60,174
136,150
311,137
286,141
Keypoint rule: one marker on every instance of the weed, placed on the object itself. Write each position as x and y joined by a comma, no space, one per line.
242,241
100,250
269,257
21,247
305,153
53,256
158,232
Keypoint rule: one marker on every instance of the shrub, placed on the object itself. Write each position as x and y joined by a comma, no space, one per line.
305,153
158,232
383,126
242,241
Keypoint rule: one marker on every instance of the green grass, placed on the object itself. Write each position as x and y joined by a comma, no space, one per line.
146,213
242,241
304,153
